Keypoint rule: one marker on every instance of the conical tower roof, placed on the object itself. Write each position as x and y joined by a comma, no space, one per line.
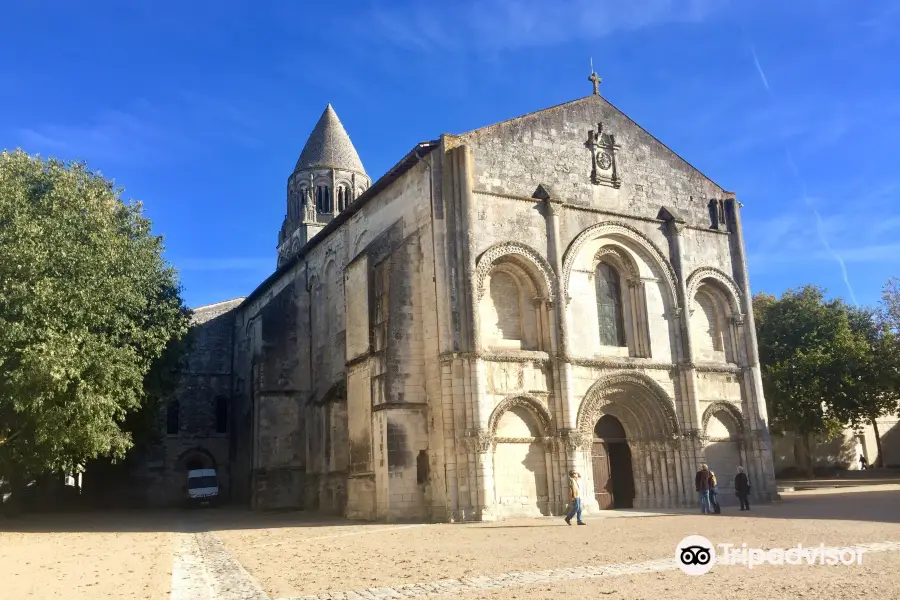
329,146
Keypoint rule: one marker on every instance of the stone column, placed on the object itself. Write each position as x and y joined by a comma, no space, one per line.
481,444
687,372
679,471
547,445
564,368
757,413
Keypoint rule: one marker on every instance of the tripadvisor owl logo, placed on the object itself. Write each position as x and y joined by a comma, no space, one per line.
695,555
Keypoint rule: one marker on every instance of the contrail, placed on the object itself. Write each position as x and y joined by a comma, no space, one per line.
820,228
759,70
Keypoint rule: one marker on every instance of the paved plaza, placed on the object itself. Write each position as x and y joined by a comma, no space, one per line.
229,554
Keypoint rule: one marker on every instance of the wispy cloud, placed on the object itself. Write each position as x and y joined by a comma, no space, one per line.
510,24
114,135
145,133
820,230
860,230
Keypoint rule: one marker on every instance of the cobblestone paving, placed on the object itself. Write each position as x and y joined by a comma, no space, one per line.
204,570
510,580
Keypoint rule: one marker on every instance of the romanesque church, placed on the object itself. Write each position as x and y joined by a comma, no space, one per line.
553,292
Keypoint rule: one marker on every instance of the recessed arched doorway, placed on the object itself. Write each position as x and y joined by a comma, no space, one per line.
611,461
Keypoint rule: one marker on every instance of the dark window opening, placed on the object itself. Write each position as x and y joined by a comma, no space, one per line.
221,414
422,467
172,418
194,464
323,199
609,306
343,197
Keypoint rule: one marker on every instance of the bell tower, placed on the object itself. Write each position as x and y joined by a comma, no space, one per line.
328,176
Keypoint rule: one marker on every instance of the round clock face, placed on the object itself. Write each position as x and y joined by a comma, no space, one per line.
604,161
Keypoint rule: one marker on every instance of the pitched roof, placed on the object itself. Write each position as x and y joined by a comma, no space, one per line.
329,146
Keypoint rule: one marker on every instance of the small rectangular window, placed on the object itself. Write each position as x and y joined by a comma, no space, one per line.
221,414
172,418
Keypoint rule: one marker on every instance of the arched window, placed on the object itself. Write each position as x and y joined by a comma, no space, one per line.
343,197
172,418
609,306
505,296
709,330
709,322
323,199
299,206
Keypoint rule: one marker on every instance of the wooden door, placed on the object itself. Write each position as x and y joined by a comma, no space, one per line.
602,479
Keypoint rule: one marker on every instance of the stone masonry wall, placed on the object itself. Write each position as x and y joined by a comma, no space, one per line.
205,379
317,442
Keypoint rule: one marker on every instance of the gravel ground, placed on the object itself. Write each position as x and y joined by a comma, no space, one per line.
238,554
312,560
76,557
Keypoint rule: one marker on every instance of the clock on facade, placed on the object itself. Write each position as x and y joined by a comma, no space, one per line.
603,160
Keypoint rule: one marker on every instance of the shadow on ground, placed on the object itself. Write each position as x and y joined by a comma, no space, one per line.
870,503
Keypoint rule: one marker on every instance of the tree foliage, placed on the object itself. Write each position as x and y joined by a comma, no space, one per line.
88,309
890,305
803,340
875,367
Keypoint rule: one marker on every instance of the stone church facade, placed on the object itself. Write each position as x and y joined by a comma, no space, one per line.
558,291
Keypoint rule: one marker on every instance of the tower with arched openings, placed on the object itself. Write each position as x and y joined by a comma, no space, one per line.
326,179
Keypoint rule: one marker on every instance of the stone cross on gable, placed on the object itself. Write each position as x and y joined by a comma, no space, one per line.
596,81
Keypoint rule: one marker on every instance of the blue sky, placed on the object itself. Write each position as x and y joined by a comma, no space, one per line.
201,108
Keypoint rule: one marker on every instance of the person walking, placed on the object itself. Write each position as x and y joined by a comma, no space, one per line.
701,482
575,496
742,488
714,493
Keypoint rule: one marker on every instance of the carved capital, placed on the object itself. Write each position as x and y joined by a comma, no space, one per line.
478,441
574,440
738,320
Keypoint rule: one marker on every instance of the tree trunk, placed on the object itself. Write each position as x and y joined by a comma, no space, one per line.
879,459
807,455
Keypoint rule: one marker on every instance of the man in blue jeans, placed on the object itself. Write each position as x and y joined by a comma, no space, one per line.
703,483
575,495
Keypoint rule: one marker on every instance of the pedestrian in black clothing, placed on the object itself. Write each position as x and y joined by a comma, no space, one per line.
742,488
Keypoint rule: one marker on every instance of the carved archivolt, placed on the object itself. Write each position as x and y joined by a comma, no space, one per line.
647,400
531,404
621,230
727,407
619,259
528,258
723,280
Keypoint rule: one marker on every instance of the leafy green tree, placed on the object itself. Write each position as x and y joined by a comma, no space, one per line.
802,343
88,309
890,305
874,362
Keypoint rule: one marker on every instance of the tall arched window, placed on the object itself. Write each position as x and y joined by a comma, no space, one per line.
505,296
609,306
323,199
708,326
343,197
709,320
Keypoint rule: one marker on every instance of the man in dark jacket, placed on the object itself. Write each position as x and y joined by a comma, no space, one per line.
702,483
742,488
